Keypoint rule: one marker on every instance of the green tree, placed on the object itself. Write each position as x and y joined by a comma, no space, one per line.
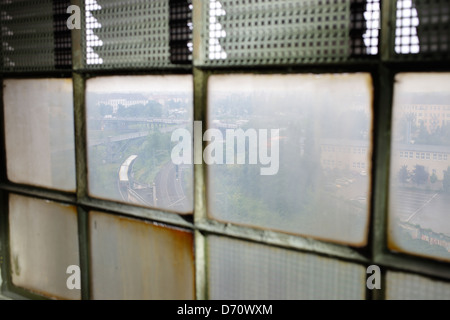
433,178
446,180
105,109
403,174
423,137
420,176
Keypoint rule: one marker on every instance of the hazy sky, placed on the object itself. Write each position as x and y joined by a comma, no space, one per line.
309,83
423,82
127,84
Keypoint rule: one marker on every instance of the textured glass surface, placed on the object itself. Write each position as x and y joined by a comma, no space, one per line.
130,123
420,165
137,33
403,286
245,270
39,132
250,32
132,259
365,26
422,28
312,178
34,35
43,244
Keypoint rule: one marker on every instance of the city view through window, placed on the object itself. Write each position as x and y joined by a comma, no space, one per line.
420,165
321,188
130,124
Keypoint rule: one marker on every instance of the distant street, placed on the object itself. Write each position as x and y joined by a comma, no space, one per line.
117,138
131,135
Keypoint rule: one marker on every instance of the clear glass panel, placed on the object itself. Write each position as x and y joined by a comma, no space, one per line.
306,165
43,244
133,259
245,270
419,195
130,124
403,286
40,132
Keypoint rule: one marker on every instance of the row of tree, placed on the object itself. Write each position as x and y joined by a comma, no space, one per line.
420,176
435,134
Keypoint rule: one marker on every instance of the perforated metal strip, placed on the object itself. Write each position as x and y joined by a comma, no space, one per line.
180,24
243,32
28,35
364,27
136,33
62,35
422,29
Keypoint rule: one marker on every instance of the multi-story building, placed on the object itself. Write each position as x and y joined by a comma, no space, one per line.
349,155
353,155
435,159
431,116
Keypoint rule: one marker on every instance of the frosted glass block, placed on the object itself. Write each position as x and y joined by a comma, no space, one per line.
39,132
291,153
419,194
133,259
131,121
43,243
245,270
403,286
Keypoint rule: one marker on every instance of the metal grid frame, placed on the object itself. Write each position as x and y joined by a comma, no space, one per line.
382,69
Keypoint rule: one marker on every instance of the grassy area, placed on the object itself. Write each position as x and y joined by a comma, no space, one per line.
145,171
103,181
153,152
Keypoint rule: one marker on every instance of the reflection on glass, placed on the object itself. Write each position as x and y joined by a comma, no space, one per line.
317,180
43,244
245,270
132,259
39,132
130,124
420,165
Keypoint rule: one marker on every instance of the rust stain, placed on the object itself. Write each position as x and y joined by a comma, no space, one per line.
48,295
165,252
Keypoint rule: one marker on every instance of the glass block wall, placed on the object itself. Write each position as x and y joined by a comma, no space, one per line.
224,149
